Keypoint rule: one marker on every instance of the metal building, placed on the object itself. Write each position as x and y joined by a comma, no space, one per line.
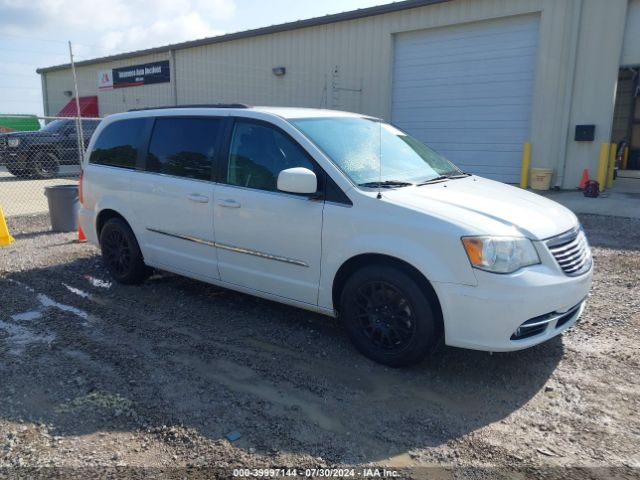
475,79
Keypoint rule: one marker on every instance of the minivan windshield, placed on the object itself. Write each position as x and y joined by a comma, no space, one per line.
374,153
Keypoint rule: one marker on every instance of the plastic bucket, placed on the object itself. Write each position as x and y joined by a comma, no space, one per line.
541,178
63,207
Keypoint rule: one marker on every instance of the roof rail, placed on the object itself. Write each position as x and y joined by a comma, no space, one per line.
213,105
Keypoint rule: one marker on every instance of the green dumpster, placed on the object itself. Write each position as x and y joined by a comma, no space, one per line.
18,123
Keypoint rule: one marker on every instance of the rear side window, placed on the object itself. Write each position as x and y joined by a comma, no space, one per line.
184,147
118,143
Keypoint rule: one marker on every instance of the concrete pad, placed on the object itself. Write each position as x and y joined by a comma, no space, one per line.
623,200
24,196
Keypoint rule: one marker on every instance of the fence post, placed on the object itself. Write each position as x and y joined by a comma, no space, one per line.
80,137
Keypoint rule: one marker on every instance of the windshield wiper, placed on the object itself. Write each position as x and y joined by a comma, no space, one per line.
386,184
442,178
439,178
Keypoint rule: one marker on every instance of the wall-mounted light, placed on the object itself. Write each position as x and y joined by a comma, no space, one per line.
279,71
68,93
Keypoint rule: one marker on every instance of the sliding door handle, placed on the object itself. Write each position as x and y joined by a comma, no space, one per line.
196,197
229,203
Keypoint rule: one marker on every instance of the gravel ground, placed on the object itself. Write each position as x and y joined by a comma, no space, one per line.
98,379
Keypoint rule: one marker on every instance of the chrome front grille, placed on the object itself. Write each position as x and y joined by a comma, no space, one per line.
571,251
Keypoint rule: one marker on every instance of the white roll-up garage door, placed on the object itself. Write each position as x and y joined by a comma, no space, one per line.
467,90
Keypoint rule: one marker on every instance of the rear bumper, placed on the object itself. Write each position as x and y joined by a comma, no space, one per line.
86,220
487,317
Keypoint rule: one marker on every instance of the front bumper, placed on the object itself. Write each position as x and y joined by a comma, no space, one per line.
487,316
15,160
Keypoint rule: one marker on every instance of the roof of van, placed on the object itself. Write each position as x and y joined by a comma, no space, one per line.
293,112
284,112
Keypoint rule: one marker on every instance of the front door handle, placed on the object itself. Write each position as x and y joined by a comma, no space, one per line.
196,197
228,203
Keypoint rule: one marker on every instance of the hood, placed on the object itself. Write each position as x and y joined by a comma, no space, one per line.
484,206
33,133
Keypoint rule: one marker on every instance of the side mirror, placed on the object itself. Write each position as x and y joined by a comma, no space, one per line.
297,180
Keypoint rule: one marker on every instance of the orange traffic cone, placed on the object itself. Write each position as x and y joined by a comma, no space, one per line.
584,179
5,236
81,237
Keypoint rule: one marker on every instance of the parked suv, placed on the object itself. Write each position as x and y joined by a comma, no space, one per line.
39,154
337,213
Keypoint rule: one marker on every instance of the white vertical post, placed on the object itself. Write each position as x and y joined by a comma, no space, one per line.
78,122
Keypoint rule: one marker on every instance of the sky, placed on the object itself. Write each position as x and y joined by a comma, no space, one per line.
34,33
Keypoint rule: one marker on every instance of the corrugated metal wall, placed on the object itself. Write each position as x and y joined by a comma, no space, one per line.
348,65
109,101
344,65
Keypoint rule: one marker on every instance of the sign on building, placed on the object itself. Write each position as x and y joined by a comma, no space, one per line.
137,75
105,79
134,75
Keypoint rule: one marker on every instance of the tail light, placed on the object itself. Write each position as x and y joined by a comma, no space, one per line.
80,193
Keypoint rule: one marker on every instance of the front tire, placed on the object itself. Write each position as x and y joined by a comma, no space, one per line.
388,316
18,172
121,253
45,165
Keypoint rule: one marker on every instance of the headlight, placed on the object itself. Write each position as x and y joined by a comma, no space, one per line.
500,254
13,142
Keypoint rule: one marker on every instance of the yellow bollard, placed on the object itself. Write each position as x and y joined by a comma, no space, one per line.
526,162
612,164
5,237
602,165
625,158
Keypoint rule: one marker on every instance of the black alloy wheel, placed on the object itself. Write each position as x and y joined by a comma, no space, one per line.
385,315
117,252
389,315
45,165
121,252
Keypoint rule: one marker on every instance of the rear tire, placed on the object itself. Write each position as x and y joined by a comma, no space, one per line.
388,316
121,253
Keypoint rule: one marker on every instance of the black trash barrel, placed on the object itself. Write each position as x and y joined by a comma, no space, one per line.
63,207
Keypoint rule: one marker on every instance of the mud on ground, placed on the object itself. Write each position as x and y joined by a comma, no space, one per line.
97,376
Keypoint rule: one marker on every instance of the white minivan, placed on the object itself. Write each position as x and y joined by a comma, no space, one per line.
337,213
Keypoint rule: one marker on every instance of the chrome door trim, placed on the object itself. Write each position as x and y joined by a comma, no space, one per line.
256,253
184,237
232,248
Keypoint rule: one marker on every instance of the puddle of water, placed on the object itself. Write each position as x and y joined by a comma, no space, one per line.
21,337
77,291
47,302
26,287
96,282
27,316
